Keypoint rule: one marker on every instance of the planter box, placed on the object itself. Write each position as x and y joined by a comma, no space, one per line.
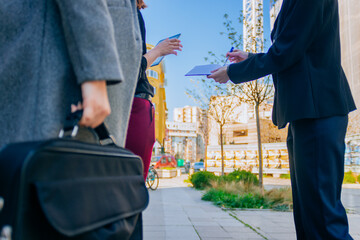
166,173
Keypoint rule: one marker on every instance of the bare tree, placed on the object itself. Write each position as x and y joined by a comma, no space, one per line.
219,104
255,92
221,109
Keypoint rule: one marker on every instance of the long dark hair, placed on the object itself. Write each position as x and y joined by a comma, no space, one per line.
141,4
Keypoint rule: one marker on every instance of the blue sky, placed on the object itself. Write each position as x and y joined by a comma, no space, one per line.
200,23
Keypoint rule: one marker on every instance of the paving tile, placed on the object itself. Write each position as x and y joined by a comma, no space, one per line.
149,234
215,238
175,210
184,234
207,224
245,235
213,232
238,229
279,236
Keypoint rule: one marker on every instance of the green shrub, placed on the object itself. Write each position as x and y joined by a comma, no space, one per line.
349,177
240,176
201,180
358,178
285,176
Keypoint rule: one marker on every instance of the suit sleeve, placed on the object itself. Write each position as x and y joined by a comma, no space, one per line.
299,30
89,34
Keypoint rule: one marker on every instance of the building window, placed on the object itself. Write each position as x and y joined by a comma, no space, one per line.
152,73
240,133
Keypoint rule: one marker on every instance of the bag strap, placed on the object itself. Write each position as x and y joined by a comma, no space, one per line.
72,124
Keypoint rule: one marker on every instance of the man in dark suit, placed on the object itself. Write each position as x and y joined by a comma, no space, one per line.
313,96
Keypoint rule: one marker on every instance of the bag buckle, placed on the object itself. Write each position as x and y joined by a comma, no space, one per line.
108,141
73,133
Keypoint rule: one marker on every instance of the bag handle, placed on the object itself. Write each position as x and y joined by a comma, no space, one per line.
72,124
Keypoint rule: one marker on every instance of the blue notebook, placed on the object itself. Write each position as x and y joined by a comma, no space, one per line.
159,59
203,70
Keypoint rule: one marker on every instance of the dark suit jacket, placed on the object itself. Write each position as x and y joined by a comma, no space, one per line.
305,62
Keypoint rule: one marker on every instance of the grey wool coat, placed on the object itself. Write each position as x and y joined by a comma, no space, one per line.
49,47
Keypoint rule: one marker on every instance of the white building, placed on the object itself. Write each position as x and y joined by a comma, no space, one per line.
198,116
181,141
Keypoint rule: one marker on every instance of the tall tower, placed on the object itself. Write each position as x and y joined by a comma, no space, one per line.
275,6
253,26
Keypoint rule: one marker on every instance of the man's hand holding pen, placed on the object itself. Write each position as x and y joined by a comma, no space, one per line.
220,75
237,56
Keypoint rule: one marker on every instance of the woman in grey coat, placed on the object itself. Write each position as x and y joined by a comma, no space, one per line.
57,52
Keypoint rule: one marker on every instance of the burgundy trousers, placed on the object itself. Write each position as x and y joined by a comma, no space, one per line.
140,137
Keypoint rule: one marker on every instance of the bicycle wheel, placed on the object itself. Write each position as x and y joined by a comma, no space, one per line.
153,180
150,179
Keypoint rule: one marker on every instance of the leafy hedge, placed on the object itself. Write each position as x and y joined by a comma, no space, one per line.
240,176
202,179
349,177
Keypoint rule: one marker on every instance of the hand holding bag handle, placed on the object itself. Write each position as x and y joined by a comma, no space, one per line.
71,124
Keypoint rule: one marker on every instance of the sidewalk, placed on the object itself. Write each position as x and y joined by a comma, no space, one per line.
176,212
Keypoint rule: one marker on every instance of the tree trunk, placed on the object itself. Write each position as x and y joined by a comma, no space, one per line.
259,145
222,150
205,160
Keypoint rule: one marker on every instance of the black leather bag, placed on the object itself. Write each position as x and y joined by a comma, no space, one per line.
67,189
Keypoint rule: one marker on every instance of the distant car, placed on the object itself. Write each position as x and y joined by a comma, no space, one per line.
154,160
199,166
164,161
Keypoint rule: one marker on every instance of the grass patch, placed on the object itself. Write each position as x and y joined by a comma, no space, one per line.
240,190
242,195
229,200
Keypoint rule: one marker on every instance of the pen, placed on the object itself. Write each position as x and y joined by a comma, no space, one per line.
232,49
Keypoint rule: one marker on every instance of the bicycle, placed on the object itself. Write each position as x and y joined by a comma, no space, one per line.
152,179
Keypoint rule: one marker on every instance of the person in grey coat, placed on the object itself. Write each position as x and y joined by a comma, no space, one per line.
54,53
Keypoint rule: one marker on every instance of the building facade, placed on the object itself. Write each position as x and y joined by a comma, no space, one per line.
349,11
241,130
240,141
198,116
181,140
156,76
